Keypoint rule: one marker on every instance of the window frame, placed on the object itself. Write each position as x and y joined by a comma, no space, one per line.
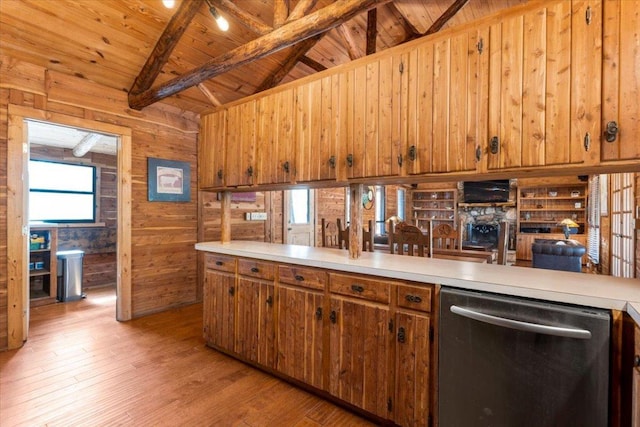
95,193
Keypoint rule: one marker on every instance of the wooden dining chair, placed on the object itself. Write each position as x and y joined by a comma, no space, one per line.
405,237
367,237
444,236
343,235
503,242
329,234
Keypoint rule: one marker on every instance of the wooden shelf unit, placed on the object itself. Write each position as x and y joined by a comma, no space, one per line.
438,206
43,265
540,210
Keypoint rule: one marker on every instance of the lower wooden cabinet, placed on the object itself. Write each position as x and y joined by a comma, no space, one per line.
359,354
219,309
365,340
300,334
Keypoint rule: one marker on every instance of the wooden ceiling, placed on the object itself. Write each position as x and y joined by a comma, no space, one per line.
109,41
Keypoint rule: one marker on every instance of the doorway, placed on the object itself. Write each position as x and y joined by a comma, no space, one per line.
17,214
299,214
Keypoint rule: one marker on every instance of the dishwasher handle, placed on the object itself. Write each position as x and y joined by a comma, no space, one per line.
521,326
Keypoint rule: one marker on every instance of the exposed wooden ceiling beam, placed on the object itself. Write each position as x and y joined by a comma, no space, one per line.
408,26
446,16
349,41
209,95
372,30
86,144
165,45
280,12
311,25
302,8
249,21
300,50
312,63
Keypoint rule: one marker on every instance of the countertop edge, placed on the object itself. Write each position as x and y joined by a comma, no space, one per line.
556,286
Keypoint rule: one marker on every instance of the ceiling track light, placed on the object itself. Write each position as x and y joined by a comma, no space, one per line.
223,24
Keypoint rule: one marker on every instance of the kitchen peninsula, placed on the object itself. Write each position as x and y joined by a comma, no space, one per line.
365,331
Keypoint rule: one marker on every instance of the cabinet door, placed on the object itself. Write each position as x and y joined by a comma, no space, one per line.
255,323
219,308
320,125
621,80
359,354
374,118
211,149
240,148
412,370
275,158
542,109
300,334
447,103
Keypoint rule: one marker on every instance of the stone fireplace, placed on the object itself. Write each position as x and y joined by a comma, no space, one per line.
481,224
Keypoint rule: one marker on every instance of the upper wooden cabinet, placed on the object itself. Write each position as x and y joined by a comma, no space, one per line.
446,108
621,80
374,117
275,149
524,90
544,87
211,149
241,144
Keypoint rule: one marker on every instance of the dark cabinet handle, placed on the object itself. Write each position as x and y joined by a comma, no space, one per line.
357,288
319,313
350,160
401,335
332,162
219,263
270,301
611,131
333,316
494,145
255,269
250,171
219,173
413,153
232,291
400,160
478,153
299,278
636,361
587,141
413,298
285,167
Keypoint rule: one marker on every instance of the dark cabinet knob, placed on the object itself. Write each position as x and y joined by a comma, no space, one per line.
401,335
285,167
332,162
219,263
357,288
636,361
255,270
494,145
232,291
299,278
270,301
220,174
250,171
319,313
350,160
413,298
333,316
611,131
413,153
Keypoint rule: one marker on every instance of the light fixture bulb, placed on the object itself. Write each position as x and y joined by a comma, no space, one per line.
223,24
169,3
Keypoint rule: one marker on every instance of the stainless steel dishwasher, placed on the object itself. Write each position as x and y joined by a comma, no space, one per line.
508,361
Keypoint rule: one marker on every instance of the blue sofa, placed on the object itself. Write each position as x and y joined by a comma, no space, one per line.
565,255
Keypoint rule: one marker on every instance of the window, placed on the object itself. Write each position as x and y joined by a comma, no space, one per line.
60,192
401,197
380,209
300,206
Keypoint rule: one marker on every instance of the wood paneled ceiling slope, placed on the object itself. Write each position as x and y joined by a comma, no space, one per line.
180,56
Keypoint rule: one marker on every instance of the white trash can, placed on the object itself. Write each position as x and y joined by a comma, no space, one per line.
70,275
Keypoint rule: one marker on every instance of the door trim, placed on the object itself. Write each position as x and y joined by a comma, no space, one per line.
17,215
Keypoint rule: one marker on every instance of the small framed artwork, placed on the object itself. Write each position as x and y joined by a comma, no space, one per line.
168,180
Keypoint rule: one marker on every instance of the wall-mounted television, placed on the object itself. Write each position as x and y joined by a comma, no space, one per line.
496,191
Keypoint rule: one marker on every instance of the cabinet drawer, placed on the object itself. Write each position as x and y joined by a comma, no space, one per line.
414,297
361,287
300,276
220,262
257,269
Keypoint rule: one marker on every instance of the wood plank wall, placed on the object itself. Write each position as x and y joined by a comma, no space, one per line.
163,234
98,244
4,99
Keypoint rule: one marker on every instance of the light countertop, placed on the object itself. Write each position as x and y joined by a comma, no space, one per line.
558,286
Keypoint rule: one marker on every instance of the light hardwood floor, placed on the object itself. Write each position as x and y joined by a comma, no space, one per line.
80,367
